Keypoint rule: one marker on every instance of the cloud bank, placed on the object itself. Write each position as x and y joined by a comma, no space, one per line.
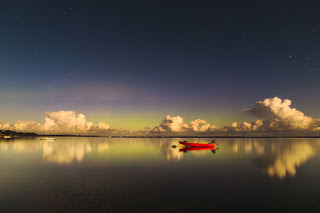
274,115
61,122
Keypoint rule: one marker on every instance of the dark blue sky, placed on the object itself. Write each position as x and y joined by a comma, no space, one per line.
146,59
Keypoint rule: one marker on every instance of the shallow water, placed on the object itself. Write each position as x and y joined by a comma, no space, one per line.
75,174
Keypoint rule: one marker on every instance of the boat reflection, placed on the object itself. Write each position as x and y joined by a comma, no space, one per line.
189,149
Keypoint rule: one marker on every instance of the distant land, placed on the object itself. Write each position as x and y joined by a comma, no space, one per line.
19,134
185,136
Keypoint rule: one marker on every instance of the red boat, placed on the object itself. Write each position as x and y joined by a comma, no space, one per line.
185,143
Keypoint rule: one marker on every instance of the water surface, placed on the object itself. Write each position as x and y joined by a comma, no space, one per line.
75,174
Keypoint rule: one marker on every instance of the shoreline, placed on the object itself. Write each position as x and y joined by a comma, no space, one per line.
178,136
14,134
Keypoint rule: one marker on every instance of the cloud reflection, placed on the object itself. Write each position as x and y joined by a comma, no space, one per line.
69,152
289,159
169,152
277,159
65,152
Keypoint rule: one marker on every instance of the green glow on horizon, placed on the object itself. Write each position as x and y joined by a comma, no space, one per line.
140,120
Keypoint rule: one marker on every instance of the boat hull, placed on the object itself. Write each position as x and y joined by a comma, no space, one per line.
197,144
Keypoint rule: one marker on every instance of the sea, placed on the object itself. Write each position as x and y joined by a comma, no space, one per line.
98,174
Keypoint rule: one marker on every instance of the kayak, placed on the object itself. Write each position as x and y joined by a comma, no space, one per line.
196,149
197,144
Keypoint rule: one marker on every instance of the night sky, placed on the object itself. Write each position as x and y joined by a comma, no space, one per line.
130,63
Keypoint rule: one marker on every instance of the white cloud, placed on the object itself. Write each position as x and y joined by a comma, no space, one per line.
202,126
66,122
278,115
5,126
275,108
103,125
61,122
171,124
29,126
176,124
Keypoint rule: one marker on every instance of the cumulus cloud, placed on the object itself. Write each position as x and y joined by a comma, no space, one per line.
278,115
66,121
31,126
61,122
176,124
5,126
103,125
280,110
171,124
202,126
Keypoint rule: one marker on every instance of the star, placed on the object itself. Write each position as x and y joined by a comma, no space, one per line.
69,10
299,12
244,35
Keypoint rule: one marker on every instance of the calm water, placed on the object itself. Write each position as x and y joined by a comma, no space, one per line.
148,175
